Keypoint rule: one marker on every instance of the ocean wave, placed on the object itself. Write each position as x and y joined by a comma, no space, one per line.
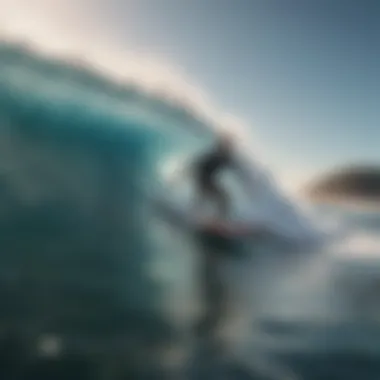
79,152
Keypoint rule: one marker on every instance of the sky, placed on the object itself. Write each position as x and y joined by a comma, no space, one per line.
303,75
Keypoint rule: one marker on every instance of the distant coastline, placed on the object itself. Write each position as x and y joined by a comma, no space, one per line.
354,185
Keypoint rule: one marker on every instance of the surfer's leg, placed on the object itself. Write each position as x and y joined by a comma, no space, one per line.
222,199
204,193
212,293
199,200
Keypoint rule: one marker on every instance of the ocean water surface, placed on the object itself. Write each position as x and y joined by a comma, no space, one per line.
95,284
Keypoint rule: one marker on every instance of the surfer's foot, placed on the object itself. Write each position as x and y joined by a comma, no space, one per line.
201,328
209,335
205,326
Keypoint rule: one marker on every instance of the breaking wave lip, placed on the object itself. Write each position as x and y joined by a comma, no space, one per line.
157,86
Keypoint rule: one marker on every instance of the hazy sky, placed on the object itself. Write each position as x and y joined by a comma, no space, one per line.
305,75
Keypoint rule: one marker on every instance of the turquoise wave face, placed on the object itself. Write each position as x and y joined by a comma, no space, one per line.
78,155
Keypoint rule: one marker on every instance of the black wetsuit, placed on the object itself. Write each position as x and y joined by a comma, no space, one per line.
208,167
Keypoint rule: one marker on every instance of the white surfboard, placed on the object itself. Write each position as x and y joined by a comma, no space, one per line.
224,228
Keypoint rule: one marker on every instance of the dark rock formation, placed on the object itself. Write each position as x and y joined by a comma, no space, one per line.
362,183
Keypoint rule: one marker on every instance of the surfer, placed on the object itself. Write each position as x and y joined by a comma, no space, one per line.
206,170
